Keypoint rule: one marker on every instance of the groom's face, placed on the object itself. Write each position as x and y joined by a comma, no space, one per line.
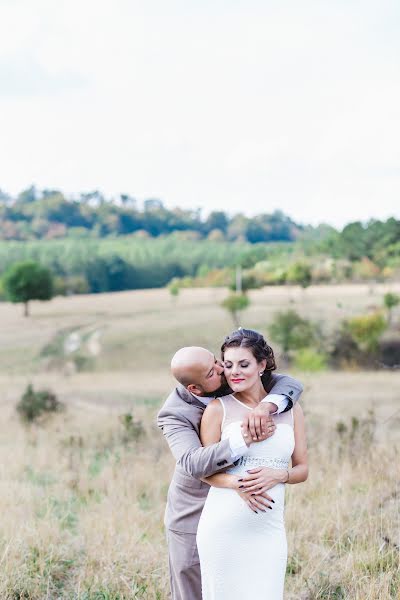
212,376
208,375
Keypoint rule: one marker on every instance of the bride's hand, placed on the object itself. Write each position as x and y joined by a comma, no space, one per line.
256,503
262,479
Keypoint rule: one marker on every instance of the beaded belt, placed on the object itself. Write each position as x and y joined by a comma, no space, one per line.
255,461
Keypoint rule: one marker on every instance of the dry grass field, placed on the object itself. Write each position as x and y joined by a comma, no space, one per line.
82,494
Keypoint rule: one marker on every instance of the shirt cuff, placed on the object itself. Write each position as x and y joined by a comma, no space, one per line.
236,441
278,399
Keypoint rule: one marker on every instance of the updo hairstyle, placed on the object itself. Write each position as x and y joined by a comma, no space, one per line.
248,338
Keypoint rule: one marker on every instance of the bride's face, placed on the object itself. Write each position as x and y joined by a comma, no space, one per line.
242,371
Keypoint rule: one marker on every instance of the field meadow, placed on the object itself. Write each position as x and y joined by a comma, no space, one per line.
82,493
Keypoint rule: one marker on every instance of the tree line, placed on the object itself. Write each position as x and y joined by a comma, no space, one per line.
49,214
93,244
110,265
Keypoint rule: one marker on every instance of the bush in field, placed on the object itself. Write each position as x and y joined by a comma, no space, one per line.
133,430
389,350
174,288
308,359
299,273
27,281
365,270
366,330
34,405
390,300
235,303
345,351
249,282
291,331
359,342
73,284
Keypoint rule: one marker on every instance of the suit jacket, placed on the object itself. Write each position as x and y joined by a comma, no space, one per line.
179,419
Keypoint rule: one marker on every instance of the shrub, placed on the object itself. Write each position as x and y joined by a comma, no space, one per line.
308,359
390,300
366,330
299,273
345,351
389,350
250,281
133,430
66,286
34,405
174,287
365,270
291,331
234,304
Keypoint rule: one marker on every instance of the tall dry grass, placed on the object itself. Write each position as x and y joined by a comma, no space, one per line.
82,506
82,502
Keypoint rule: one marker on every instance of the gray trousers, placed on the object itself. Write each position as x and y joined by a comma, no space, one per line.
184,566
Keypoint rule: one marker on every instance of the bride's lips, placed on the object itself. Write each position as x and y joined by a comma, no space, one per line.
237,380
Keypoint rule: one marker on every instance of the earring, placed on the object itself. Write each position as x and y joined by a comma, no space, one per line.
261,373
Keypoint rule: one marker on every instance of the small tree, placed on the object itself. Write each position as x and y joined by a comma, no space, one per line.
291,331
174,288
234,304
366,330
299,273
390,300
34,405
27,281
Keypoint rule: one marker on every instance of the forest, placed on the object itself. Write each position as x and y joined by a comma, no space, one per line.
96,244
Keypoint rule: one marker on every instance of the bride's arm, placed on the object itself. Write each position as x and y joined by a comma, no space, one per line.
299,470
210,433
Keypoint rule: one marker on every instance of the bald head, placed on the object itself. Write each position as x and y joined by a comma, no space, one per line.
191,364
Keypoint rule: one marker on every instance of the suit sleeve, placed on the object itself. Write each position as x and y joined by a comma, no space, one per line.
190,455
286,386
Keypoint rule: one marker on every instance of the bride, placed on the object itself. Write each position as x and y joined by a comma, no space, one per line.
243,552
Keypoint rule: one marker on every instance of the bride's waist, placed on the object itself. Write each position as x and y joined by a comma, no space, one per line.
228,499
252,462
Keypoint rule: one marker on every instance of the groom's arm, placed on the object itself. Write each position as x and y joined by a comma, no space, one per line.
190,455
286,386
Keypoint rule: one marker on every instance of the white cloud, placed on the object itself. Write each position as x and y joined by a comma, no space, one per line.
240,105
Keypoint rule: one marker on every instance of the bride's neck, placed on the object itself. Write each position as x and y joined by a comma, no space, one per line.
253,395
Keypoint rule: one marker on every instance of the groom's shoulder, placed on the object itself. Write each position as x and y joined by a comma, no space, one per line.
175,399
285,378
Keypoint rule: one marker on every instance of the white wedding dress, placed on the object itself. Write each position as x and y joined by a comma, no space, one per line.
243,554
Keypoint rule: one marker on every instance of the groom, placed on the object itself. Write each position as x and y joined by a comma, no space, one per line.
201,377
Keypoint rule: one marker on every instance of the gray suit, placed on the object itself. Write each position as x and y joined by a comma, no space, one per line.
179,420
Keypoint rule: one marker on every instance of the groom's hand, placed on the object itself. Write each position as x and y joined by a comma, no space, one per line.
258,424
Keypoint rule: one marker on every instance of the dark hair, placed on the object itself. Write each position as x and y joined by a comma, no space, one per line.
248,338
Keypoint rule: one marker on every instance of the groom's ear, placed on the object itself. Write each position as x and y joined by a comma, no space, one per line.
194,389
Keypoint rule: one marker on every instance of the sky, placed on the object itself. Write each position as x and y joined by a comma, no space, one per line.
241,105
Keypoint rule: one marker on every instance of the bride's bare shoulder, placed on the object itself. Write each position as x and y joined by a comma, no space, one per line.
213,407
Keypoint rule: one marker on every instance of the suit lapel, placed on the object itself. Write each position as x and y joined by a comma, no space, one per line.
188,397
